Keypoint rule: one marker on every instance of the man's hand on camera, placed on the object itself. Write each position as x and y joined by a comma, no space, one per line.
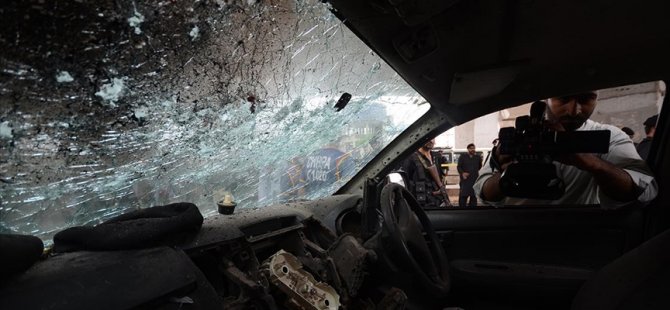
586,162
613,181
583,161
491,189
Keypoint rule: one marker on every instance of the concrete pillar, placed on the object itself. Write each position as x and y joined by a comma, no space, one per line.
486,129
465,134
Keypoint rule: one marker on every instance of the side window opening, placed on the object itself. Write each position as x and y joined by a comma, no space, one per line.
630,108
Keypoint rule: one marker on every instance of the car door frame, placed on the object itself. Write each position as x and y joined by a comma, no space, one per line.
549,251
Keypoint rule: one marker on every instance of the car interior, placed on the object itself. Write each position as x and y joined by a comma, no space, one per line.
371,245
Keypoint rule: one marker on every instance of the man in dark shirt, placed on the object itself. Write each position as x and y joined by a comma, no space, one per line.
420,183
468,169
629,132
494,144
650,129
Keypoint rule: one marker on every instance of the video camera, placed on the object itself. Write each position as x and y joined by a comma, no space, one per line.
534,147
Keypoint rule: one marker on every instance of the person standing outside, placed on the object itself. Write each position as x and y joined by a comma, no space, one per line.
468,170
439,159
613,179
650,129
629,132
429,192
494,144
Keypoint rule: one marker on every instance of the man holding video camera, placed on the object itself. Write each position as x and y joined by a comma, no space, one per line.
615,177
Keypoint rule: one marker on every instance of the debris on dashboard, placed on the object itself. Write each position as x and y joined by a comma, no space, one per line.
285,272
227,205
286,261
350,258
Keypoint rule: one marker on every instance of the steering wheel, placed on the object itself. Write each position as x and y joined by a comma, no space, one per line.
405,223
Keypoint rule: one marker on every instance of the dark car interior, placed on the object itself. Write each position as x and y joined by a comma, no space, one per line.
371,246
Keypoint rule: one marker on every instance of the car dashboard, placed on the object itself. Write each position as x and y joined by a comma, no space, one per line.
302,255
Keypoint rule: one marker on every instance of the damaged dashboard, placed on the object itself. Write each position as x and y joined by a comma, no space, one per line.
295,256
286,262
308,255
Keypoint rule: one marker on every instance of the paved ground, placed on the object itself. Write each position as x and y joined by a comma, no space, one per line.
452,191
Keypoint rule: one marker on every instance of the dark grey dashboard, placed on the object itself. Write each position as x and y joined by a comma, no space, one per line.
220,228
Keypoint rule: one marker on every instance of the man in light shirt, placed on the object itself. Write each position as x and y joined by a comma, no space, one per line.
612,179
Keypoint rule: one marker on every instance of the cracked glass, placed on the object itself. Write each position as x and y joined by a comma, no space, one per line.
110,106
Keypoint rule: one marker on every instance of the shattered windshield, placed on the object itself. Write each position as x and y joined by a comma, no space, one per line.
109,106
